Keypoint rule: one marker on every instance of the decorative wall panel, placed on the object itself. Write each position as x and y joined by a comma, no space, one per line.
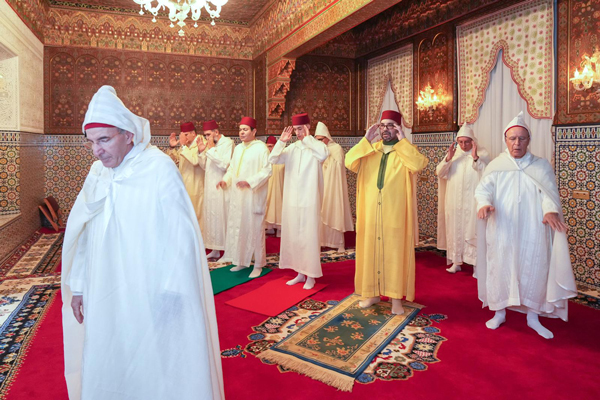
166,89
33,13
260,92
9,173
524,32
434,66
68,27
433,146
323,88
577,161
578,35
9,93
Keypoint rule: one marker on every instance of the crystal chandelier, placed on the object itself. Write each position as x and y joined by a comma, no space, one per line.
427,99
179,10
590,73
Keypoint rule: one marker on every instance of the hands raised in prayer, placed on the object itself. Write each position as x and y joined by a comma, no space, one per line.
286,135
173,142
554,221
201,144
474,151
372,133
77,306
399,132
451,152
485,211
243,185
222,185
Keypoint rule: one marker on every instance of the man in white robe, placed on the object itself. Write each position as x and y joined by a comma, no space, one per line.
189,165
458,175
302,200
336,214
247,179
523,260
138,309
215,157
275,194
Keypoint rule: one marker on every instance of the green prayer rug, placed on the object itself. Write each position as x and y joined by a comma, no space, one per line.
338,345
223,279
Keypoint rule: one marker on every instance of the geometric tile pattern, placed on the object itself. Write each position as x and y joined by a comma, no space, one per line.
9,173
577,160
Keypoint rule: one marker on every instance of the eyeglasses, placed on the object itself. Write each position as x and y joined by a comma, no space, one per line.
388,126
102,142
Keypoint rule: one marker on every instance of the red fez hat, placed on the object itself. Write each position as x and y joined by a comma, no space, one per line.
210,125
271,140
300,119
393,115
251,122
187,127
97,125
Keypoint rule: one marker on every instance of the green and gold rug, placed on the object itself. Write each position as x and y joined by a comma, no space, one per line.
337,346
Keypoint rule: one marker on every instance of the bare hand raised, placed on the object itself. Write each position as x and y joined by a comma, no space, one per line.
372,133
554,221
243,185
77,306
400,134
222,185
485,211
286,135
201,144
173,142
451,151
474,151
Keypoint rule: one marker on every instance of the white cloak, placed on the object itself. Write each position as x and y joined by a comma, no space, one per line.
275,197
336,214
457,208
133,248
522,263
216,201
246,215
193,177
302,201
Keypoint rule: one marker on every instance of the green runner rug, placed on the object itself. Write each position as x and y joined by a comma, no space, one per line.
339,344
223,279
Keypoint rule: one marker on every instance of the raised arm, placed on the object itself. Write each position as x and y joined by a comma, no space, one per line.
410,156
318,148
221,155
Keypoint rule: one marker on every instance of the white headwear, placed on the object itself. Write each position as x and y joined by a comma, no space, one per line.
466,131
322,130
106,108
517,121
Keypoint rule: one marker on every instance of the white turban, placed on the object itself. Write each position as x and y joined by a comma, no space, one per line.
517,121
466,131
107,108
322,130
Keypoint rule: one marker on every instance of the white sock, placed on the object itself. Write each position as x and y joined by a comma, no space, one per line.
368,302
238,268
214,254
256,272
454,268
298,279
278,234
341,249
533,321
270,231
397,308
310,283
498,319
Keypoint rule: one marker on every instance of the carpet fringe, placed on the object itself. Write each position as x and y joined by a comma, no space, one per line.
331,378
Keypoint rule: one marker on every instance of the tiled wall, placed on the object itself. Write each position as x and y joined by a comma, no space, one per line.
9,173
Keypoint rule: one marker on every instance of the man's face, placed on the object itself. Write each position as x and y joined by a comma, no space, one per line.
323,139
186,138
247,134
108,145
517,139
301,131
270,147
388,130
465,143
214,133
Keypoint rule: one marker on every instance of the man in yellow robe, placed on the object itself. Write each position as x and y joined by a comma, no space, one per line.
385,254
275,194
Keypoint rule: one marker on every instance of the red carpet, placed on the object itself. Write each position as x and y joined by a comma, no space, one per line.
274,297
512,362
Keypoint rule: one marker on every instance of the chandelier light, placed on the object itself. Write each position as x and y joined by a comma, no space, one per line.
428,100
179,10
590,73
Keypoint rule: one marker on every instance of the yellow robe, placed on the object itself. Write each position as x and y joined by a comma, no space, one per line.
385,253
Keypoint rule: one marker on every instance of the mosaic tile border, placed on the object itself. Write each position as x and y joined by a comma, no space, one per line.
430,139
589,132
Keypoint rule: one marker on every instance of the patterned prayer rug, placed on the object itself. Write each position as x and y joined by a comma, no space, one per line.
38,255
410,352
339,344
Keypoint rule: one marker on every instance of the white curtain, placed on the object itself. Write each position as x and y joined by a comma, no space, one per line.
389,103
502,103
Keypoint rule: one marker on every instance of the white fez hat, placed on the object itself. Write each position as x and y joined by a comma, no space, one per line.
517,121
466,131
